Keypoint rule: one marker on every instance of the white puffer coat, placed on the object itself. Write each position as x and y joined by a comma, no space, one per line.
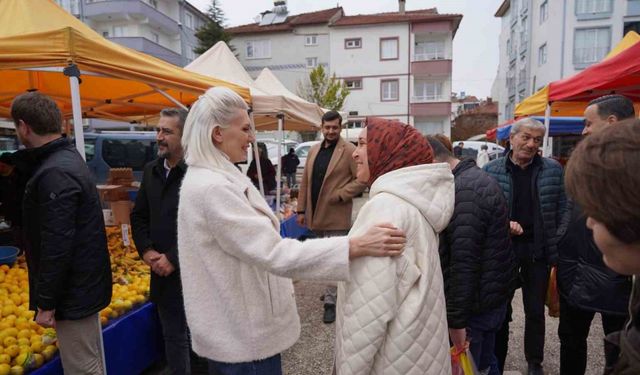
391,316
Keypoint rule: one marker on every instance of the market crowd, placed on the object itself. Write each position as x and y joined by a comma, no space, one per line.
428,268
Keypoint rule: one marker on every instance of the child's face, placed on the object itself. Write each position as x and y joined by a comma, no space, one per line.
619,256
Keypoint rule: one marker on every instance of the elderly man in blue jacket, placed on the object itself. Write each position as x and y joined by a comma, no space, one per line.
534,189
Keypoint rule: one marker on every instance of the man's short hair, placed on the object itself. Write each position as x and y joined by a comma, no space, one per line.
330,116
180,113
602,176
484,147
440,151
38,111
528,123
616,105
446,142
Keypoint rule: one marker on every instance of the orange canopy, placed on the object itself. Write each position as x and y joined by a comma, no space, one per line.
38,39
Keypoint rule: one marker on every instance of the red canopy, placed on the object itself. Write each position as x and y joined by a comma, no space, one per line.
616,75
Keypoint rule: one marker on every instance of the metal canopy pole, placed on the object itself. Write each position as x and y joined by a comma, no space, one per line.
279,160
546,150
256,154
171,98
73,73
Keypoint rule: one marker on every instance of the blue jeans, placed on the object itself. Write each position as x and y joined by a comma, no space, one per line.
481,333
269,366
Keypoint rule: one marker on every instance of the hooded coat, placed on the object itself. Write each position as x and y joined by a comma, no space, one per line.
391,315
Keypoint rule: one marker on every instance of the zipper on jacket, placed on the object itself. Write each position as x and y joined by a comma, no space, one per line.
270,295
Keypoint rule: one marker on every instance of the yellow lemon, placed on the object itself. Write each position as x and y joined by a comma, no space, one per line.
49,352
16,370
9,340
7,310
36,347
12,350
23,341
38,360
24,333
5,358
5,369
15,297
21,323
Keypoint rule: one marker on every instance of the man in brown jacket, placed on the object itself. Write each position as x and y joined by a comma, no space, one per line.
326,191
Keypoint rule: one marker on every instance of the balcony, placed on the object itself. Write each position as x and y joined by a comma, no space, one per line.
151,48
430,67
432,108
125,9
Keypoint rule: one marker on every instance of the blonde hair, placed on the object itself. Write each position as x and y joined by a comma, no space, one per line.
217,107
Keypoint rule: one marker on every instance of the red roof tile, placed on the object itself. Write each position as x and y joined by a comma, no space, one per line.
423,15
311,18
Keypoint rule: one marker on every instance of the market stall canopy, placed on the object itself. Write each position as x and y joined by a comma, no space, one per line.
536,104
38,39
617,75
269,98
299,113
558,126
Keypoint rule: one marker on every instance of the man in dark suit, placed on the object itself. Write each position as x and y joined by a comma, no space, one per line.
154,226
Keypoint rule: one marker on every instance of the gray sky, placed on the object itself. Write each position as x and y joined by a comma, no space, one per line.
475,47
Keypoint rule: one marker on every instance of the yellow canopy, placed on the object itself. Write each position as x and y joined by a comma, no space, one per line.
536,104
38,39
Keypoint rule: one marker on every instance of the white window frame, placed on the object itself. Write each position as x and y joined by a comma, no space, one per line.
428,91
119,31
153,3
542,54
310,40
353,43
312,62
595,53
155,37
258,49
430,50
188,20
593,6
396,51
544,12
353,83
387,91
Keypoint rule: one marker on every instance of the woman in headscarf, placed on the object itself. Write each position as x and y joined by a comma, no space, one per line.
235,267
391,316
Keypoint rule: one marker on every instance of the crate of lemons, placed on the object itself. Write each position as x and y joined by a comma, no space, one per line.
24,345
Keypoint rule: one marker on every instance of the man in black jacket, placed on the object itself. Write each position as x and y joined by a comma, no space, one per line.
67,255
154,226
586,285
477,262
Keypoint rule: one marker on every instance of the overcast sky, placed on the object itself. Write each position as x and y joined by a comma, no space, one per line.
475,47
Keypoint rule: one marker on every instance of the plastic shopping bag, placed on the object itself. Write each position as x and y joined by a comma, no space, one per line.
553,298
462,361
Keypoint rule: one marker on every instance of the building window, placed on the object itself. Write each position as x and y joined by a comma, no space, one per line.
353,83
155,37
427,91
353,43
311,40
119,31
521,96
355,124
542,55
312,62
523,34
188,20
593,6
389,48
71,6
105,34
633,8
153,3
258,49
591,45
430,51
190,54
389,90
544,11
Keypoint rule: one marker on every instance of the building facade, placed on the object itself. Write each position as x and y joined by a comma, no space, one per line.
542,41
161,28
397,65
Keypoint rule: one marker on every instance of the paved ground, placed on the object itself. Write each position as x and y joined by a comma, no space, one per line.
312,354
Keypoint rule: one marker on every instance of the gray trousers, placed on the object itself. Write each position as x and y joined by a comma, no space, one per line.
81,348
331,293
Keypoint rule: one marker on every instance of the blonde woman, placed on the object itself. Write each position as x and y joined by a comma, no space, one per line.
239,300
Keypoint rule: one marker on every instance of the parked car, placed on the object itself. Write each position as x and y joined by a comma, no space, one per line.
471,149
302,150
115,149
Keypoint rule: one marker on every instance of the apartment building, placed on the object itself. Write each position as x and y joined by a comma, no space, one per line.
542,41
397,65
161,28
